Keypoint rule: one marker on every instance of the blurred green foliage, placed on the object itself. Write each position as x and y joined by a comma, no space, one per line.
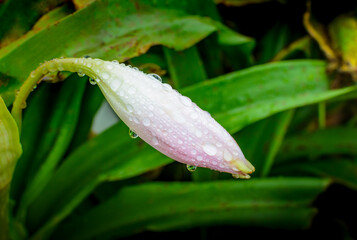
278,75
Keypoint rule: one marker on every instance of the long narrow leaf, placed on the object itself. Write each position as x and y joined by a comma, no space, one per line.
283,203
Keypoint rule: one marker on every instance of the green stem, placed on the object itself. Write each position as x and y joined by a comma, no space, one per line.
80,65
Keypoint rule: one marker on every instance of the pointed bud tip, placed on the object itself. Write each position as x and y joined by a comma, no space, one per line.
244,166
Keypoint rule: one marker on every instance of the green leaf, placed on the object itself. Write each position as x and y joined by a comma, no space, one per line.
243,97
10,147
342,171
270,45
32,132
261,141
10,151
113,155
92,100
301,47
274,203
126,29
178,63
343,35
17,16
320,142
56,142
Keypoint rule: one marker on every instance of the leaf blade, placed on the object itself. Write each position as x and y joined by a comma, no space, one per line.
167,206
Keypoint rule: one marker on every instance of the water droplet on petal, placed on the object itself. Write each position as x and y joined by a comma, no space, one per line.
132,134
130,108
227,155
186,101
146,122
191,168
167,87
155,141
114,85
199,158
80,73
92,81
105,76
179,118
210,149
157,77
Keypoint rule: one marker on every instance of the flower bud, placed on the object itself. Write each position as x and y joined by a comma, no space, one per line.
168,121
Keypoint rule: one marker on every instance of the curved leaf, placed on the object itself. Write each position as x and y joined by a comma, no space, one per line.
274,203
320,142
10,151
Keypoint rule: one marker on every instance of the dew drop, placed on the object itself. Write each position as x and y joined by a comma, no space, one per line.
227,155
130,108
114,85
132,134
198,133
193,152
92,81
167,87
179,118
157,77
105,76
146,122
155,141
186,101
80,73
210,149
191,168
23,105
199,158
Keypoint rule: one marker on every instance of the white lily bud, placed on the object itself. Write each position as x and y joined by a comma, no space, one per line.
161,116
168,121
